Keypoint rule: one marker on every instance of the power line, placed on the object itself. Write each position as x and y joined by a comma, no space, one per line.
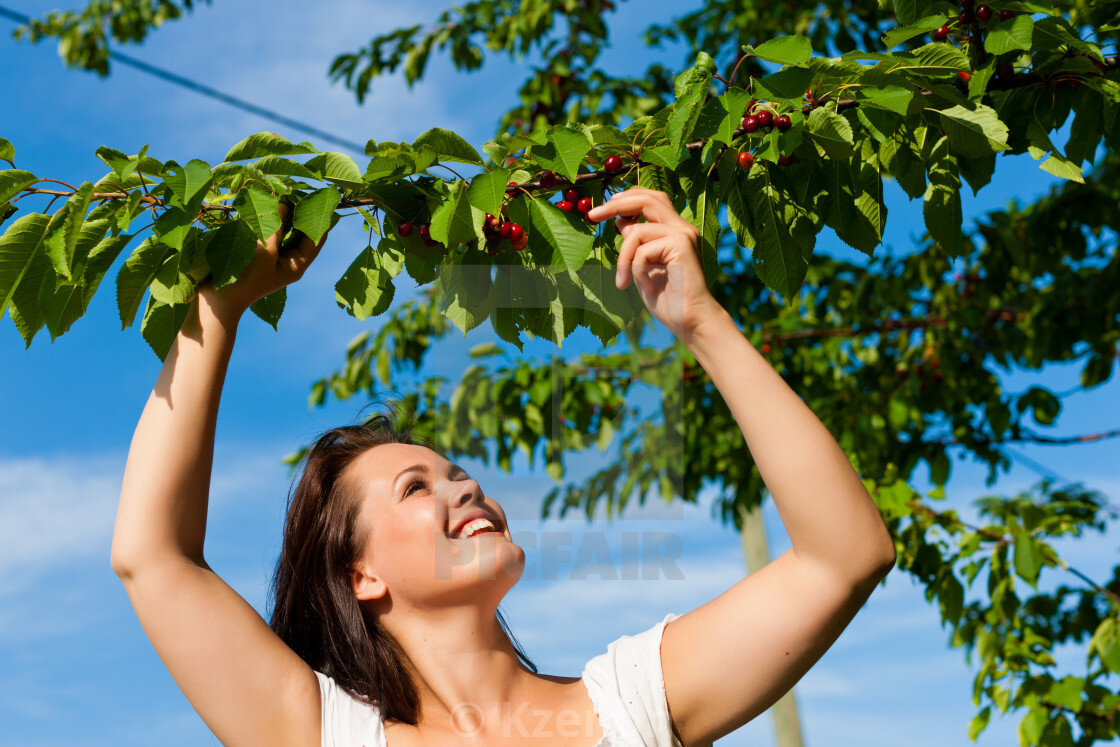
209,92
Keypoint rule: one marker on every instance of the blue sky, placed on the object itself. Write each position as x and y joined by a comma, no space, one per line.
76,666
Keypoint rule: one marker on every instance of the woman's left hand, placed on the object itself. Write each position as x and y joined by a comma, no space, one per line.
679,297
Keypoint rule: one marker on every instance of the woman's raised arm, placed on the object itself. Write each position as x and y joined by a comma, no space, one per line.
246,684
731,659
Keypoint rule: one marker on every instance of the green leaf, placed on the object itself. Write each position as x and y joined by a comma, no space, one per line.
123,166
1007,36
703,213
466,298
785,50
453,222
267,144
892,98
565,150
856,209
448,146
161,324
1106,643
14,181
975,132
488,190
25,309
938,57
189,183
366,288
905,10
229,250
691,88
1028,556
1060,166
786,85
1067,692
19,246
60,301
7,150
784,232
315,212
484,350
978,171
271,307
718,120
898,35
280,166
979,722
173,283
260,210
942,201
338,168
136,275
832,131
555,238
62,235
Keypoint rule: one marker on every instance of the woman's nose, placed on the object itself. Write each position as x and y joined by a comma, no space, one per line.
471,492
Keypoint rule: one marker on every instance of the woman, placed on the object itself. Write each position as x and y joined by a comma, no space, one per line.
386,629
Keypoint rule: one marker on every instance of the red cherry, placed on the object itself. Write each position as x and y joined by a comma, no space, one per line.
584,205
511,188
784,160
765,349
404,228
571,195
941,34
492,250
765,118
506,228
965,18
1006,15
783,122
746,160
548,179
613,164
515,232
750,123
424,229
565,205
968,3
984,13
965,77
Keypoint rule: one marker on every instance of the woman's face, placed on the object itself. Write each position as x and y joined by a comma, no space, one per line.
413,503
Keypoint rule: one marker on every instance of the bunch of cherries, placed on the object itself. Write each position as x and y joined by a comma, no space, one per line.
969,15
764,119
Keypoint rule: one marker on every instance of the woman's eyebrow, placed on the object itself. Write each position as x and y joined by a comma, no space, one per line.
454,471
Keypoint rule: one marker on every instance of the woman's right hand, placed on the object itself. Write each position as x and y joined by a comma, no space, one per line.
271,268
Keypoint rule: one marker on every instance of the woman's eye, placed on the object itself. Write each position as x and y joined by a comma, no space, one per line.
411,485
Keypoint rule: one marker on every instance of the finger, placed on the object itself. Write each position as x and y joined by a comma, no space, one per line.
633,238
299,257
272,244
653,206
650,266
622,222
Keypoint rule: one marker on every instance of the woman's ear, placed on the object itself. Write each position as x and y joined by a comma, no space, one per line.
366,586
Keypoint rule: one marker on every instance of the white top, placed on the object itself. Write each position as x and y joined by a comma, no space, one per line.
625,685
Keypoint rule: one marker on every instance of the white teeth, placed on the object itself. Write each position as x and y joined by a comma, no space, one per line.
475,526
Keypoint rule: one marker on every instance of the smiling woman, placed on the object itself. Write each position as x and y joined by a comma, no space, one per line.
355,509
386,628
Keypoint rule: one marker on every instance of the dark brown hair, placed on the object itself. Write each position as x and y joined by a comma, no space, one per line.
315,611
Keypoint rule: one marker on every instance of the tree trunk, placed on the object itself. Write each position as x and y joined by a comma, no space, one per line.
787,726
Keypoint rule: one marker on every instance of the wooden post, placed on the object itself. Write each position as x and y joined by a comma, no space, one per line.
787,726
